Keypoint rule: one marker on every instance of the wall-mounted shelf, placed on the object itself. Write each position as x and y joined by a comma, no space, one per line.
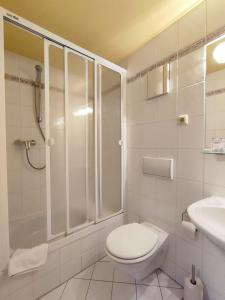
208,151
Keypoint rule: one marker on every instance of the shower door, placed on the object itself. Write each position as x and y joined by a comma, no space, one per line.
61,136
80,139
70,139
110,142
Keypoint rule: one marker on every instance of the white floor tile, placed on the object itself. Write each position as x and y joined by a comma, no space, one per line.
76,289
123,291
99,290
166,281
123,288
103,271
149,280
148,293
85,274
55,294
172,294
120,276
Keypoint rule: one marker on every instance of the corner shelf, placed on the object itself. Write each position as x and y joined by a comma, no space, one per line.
207,151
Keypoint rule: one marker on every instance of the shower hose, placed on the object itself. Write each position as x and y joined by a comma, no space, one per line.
38,121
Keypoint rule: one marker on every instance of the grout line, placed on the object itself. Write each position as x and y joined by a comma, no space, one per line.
92,271
181,287
90,281
123,282
136,288
159,284
64,289
112,290
145,284
112,283
55,288
88,289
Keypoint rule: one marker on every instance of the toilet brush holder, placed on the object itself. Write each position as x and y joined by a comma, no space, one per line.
193,287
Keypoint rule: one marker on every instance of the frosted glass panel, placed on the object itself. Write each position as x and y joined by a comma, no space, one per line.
26,186
80,132
110,193
57,134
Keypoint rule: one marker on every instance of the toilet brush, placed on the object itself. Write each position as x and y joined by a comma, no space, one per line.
193,287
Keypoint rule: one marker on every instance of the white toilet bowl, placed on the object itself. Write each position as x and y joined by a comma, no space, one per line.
137,249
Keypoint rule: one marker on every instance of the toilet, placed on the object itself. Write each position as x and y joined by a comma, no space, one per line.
137,249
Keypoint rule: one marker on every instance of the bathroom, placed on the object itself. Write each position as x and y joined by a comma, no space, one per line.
112,132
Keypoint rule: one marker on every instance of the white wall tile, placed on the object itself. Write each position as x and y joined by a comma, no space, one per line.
213,270
169,268
168,37
192,26
190,164
89,257
13,115
89,242
166,204
70,268
10,285
12,92
213,190
192,135
185,261
191,100
214,169
191,68
188,191
70,252
46,283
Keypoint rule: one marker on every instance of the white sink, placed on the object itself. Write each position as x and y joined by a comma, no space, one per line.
208,215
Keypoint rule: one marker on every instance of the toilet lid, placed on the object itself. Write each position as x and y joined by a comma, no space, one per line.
131,241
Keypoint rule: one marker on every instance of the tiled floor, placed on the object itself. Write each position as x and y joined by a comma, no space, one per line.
102,282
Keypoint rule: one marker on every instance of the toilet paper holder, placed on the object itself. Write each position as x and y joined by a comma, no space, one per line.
185,217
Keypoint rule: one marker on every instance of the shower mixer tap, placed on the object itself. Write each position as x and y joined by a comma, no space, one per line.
26,143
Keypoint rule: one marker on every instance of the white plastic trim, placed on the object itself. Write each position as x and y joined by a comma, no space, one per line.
4,221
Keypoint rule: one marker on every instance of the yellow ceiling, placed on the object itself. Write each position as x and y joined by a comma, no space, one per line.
110,28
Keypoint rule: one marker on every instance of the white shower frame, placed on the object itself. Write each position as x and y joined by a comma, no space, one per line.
39,31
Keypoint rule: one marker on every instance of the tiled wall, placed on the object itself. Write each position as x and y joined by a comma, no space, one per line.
153,130
65,260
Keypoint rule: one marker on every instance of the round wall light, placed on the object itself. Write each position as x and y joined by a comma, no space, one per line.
219,53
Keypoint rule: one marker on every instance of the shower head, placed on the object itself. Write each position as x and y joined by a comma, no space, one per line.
38,86
38,68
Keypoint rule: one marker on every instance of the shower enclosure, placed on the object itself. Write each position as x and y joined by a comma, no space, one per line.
61,129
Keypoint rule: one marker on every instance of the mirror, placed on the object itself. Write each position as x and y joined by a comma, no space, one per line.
215,96
158,81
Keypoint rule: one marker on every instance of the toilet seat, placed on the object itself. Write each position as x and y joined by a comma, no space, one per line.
131,242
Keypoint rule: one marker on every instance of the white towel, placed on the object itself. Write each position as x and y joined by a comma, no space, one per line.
27,260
